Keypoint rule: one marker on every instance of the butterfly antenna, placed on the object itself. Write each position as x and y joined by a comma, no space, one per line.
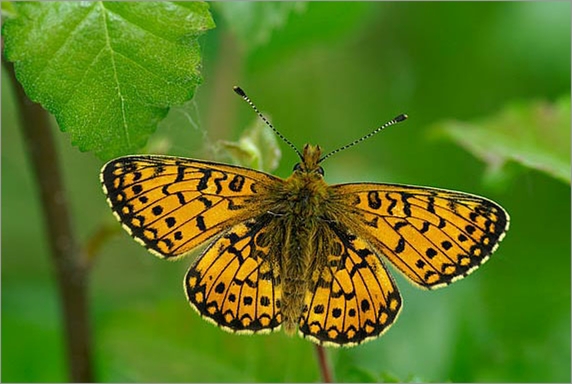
241,93
389,123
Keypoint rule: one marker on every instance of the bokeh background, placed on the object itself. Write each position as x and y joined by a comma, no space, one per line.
326,73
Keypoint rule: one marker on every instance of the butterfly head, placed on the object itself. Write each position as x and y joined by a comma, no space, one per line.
310,163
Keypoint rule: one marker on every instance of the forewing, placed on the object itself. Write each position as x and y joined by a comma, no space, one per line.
433,236
235,283
172,204
352,298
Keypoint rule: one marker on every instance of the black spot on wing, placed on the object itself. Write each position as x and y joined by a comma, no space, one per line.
170,221
373,200
207,203
400,245
400,224
218,182
431,204
157,210
180,173
204,180
137,189
201,223
406,204
237,183
392,203
430,253
181,198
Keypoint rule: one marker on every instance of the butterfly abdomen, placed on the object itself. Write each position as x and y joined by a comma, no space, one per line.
297,259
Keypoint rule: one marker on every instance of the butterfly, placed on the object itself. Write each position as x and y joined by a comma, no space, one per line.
297,252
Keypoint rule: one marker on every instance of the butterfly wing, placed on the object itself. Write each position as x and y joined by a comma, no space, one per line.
235,283
171,204
433,236
352,298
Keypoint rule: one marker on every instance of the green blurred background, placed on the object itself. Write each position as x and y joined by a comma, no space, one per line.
326,73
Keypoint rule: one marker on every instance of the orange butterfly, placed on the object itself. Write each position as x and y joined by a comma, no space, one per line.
299,252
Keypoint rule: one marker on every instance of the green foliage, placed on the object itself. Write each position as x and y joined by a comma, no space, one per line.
271,32
8,9
257,148
254,22
327,72
108,71
535,135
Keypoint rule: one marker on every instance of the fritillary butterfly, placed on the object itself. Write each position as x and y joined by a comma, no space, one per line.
299,252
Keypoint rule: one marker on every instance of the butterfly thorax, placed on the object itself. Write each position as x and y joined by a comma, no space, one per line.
305,191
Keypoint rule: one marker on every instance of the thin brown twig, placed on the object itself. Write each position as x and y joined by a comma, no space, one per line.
98,239
324,365
70,265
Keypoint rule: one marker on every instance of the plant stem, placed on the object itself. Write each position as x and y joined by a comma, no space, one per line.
324,365
98,239
223,102
70,265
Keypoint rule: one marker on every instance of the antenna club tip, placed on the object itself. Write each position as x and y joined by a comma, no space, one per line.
401,117
238,91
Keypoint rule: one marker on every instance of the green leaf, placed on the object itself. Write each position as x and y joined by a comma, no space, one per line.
257,148
108,71
8,9
254,22
535,135
351,367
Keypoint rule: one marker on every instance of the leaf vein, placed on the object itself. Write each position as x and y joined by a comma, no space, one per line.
112,52
64,43
162,79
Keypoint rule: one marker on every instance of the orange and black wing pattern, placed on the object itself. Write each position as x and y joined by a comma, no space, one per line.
235,283
171,205
433,236
352,298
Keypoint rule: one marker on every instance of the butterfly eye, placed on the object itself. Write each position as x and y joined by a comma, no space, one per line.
297,167
320,171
